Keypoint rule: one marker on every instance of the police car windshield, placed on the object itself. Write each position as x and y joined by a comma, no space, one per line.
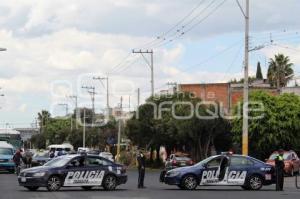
58,162
4,151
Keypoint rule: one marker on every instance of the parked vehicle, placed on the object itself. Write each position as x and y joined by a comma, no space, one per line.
66,147
83,149
291,161
176,161
6,157
40,158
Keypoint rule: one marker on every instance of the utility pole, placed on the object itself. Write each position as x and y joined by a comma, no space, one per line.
138,97
119,130
107,90
150,64
83,136
75,97
174,85
246,84
91,91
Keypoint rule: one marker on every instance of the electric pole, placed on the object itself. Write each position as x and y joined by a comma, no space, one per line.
150,64
174,85
91,91
83,136
107,91
246,84
75,97
119,130
138,97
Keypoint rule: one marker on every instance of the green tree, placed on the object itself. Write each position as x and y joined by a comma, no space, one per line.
259,75
280,71
194,135
278,127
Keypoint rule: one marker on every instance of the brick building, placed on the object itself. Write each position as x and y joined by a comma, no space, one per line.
227,94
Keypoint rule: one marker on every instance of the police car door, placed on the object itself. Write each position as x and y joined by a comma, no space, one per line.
238,169
75,172
210,174
97,169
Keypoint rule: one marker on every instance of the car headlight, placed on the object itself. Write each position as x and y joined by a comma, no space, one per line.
173,173
39,174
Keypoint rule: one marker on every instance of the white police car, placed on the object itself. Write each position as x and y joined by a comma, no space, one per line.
223,170
86,171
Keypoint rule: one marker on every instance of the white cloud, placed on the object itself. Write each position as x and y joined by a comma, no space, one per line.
23,108
62,40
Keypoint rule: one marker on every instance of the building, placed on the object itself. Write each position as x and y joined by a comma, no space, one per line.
227,94
27,133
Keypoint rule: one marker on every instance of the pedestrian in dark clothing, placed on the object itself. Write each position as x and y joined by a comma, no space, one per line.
17,158
52,154
279,169
141,168
27,159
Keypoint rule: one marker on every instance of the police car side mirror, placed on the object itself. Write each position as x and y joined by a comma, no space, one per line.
205,165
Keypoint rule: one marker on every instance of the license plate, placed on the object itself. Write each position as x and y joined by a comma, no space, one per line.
182,164
268,177
23,179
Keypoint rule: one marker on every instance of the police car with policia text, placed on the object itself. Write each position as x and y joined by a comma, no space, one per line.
86,171
223,170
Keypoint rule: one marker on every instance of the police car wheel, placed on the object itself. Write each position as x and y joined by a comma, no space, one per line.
255,182
109,183
87,188
54,183
189,182
31,188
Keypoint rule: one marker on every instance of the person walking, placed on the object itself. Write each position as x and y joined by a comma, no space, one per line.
279,169
141,169
27,159
17,158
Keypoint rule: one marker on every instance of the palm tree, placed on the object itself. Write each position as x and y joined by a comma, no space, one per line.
280,71
43,118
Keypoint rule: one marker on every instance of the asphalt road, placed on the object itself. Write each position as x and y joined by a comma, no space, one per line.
9,189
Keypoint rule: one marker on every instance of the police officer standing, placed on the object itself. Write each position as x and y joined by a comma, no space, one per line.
141,168
279,168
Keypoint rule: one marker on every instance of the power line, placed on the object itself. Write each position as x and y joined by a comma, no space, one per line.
182,31
163,41
163,35
212,56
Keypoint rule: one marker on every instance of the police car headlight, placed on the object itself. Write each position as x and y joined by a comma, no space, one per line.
173,173
39,174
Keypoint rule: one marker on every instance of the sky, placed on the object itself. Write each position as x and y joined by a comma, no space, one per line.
55,47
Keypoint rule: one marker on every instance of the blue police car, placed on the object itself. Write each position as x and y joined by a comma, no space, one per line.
223,170
86,171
